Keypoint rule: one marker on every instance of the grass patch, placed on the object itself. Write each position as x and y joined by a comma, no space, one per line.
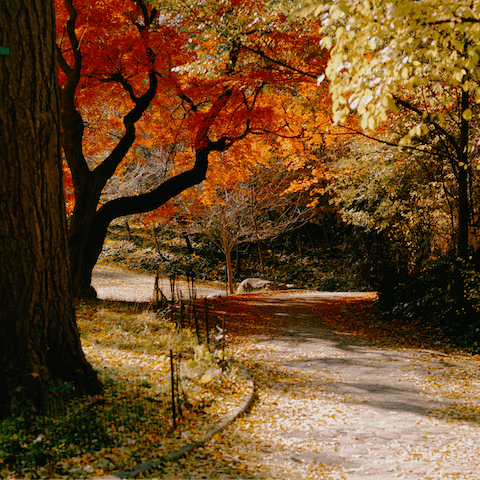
131,421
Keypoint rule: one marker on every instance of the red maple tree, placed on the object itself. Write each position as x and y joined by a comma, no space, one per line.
185,80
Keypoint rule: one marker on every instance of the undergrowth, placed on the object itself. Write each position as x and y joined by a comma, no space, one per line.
311,267
442,302
132,350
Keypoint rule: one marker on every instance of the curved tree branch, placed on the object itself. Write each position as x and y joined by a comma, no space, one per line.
107,168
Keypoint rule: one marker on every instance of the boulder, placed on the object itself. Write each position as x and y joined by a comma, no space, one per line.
250,285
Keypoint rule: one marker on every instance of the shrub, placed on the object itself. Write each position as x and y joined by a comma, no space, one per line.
445,298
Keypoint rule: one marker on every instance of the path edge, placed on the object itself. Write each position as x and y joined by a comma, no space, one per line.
244,406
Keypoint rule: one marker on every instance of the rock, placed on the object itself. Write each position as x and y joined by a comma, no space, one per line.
260,285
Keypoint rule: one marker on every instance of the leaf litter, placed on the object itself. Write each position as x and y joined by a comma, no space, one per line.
304,425
131,421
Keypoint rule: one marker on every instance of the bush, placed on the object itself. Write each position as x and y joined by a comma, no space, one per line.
444,298
333,269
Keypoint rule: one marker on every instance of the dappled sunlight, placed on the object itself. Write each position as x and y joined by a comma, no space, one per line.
333,405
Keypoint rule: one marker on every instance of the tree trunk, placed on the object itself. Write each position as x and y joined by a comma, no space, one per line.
463,215
39,340
228,258
462,179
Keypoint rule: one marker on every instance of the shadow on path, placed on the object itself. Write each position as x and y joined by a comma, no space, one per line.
379,378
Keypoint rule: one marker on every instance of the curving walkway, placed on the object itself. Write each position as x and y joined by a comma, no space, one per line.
112,283
333,407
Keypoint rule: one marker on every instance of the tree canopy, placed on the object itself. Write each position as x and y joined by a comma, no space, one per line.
380,48
411,64
183,79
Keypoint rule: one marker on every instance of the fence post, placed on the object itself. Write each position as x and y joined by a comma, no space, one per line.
207,328
197,326
174,410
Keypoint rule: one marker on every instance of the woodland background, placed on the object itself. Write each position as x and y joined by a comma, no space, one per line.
304,161
328,144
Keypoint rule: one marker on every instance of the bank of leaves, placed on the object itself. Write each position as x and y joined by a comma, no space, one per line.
131,421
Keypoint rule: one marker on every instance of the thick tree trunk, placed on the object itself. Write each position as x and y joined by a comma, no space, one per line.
39,340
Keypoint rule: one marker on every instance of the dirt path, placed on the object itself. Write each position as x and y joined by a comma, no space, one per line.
331,406
334,406
112,283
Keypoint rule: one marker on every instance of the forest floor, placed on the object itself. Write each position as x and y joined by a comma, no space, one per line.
340,396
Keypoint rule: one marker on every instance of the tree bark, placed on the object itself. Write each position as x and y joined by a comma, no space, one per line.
462,179
39,340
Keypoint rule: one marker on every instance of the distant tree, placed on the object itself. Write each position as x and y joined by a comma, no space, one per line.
416,59
252,211
39,341
401,198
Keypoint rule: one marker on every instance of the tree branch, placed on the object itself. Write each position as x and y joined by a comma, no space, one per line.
282,63
107,168
72,122
147,18
451,139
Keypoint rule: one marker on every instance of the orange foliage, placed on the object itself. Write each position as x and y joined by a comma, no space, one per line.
273,106
68,188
